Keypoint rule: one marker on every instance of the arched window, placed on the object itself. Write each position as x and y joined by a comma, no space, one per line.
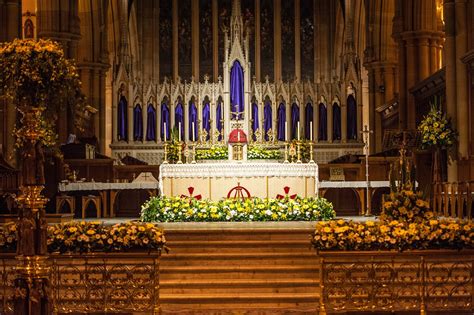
206,117
122,119
137,123
281,122
267,118
151,123
295,119
255,124
308,119
323,122
165,121
351,118
193,117
336,121
179,117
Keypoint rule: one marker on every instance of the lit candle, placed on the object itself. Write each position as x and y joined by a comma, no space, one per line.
193,131
179,131
165,129
310,131
298,126
286,129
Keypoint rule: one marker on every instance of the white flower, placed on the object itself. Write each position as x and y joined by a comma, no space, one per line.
268,212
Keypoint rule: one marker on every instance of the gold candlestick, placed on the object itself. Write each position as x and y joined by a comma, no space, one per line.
286,153
166,154
298,146
194,155
180,160
311,161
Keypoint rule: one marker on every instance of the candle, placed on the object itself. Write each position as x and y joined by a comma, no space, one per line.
298,126
179,131
311,131
238,136
286,129
193,131
165,129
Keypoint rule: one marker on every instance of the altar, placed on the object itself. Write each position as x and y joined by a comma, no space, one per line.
215,181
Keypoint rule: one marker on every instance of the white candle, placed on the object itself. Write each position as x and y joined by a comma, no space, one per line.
165,129
193,131
310,131
298,126
238,136
179,131
286,129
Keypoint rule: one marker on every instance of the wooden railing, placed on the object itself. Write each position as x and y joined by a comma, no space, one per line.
378,281
453,199
92,283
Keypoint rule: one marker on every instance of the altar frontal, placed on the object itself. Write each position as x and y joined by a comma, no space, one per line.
215,181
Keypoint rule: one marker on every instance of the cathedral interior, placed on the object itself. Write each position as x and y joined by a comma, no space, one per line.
326,68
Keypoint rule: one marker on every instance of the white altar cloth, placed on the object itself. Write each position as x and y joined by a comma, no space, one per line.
214,180
106,186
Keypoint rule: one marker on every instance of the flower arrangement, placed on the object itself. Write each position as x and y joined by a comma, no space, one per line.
393,235
436,130
259,153
213,153
36,74
177,209
84,237
406,206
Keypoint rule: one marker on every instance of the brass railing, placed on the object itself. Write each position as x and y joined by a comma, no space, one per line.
108,282
453,199
440,280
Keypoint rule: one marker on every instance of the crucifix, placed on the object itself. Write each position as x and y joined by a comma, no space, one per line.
236,114
366,136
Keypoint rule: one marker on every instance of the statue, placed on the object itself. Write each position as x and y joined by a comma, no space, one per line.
29,164
20,297
39,163
26,234
42,236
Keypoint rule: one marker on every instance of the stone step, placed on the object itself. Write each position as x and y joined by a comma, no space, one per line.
224,259
239,272
238,286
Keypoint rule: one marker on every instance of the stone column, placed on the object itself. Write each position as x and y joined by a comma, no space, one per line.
461,79
257,41
175,17
195,37
412,79
450,66
298,40
423,58
277,39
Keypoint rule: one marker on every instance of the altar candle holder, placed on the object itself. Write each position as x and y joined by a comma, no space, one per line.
180,149
166,154
298,147
286,153
194,155
311,161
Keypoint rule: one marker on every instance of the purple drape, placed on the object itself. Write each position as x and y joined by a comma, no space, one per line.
179,118
255,124
137,123
309,118
267,118
219,118
206,119
323,122
122,119
151,123
281,119
193,117
351,118
165,118
295,118
237,89
336,121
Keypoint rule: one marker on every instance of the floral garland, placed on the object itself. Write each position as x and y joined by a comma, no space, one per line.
84,237
393,235
177,209
436,130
